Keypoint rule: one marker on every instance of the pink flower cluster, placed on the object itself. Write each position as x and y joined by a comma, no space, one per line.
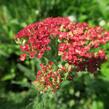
79,45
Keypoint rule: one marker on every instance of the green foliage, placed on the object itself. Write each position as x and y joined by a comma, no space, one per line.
16,92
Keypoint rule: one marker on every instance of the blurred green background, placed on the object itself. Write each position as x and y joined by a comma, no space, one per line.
16,92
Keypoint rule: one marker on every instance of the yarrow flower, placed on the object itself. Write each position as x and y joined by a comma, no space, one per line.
50,77
78,45
35,38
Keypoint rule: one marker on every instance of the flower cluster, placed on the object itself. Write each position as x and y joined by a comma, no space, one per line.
78,45
35,38
50,78
93,63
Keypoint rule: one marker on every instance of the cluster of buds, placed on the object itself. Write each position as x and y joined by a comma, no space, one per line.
78,45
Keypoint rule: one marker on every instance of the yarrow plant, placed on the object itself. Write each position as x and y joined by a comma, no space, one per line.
72,46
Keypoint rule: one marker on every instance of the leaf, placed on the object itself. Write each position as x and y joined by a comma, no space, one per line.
105,71
64,83
27,72
8,77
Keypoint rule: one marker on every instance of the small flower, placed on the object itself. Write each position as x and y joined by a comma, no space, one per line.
22,57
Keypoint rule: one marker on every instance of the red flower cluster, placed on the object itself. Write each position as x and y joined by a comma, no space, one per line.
76,39
49,78
93,63
79,45
35,38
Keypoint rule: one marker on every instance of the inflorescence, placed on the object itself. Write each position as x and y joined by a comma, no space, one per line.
78,46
